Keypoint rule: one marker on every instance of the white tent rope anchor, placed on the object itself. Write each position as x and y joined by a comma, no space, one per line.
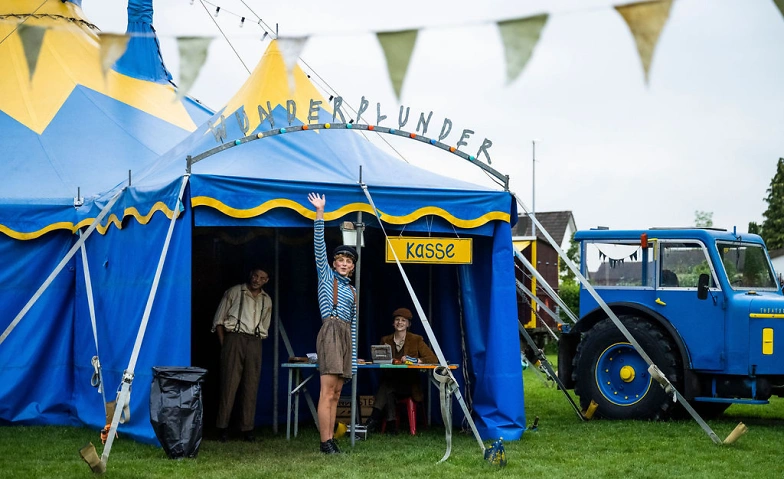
60,266
652,368
123,397
449,379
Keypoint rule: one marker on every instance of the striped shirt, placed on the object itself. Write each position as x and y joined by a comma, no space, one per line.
346,308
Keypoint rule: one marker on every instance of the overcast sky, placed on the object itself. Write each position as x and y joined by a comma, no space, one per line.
704,134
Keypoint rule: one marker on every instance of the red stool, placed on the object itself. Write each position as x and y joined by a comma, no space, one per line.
410,407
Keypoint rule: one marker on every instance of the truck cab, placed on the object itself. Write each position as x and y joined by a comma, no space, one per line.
703,304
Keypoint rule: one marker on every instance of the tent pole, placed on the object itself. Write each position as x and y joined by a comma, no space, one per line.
60,266
359,228
429,315
276,334
123,398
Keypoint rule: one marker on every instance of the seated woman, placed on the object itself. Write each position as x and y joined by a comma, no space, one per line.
400,383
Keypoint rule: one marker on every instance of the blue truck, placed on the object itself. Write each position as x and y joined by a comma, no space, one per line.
705,306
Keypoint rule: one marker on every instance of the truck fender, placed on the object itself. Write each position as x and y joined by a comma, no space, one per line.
624,308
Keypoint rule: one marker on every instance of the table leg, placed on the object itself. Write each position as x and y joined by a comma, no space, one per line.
296,404
430,400
288,409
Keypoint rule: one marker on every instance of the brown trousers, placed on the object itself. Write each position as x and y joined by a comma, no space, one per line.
240,371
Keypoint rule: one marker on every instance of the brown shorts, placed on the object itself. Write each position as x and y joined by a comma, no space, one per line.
333,347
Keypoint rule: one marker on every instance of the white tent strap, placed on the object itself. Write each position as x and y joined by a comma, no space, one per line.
665,383
444,383
123,397
97,379
425,323
60,266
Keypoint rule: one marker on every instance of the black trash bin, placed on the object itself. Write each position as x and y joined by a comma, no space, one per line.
176,409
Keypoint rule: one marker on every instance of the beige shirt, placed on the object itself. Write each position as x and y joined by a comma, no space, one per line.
256,312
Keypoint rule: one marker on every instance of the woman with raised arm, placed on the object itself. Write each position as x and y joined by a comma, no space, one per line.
338,306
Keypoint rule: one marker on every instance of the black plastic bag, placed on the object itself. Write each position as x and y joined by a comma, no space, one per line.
176,410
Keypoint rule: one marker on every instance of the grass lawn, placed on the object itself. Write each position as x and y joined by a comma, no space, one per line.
562,447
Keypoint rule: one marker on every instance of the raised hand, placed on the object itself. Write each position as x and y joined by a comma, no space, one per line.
318,201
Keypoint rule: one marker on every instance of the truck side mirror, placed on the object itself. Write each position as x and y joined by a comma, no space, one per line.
702,286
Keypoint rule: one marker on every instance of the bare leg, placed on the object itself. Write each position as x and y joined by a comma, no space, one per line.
331,385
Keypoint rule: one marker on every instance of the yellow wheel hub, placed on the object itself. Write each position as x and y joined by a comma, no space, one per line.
627,374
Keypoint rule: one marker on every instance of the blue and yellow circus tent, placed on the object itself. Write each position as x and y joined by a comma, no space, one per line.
247,204
67,131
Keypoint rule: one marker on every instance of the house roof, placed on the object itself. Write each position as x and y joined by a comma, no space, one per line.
555,222
775,253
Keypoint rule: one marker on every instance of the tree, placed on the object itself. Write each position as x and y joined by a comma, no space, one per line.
703,219
573,253
569,289
773,223
755,228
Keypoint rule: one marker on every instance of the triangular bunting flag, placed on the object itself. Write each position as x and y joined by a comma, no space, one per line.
113,46
32,39
780,4
290,48
193,54
398,47
520,37
646,21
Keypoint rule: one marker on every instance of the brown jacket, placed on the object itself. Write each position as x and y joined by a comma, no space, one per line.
415,347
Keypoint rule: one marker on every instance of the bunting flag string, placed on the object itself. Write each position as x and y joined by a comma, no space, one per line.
112,48
616,261
646,21
398,47
193,54
520,37
291,48
32,39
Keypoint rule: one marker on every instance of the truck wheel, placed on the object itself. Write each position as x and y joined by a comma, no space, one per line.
608,370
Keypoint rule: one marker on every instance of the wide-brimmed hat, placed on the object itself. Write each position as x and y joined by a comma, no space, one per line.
403,312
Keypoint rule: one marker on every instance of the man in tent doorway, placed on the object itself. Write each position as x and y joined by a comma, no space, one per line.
338,307
241,322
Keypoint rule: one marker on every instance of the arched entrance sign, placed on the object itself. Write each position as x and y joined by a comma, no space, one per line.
504,179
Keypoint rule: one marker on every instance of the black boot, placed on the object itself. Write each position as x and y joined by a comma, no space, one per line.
334,445
392,426
328,447
374,421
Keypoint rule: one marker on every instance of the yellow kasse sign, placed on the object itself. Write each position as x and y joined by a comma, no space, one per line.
430,250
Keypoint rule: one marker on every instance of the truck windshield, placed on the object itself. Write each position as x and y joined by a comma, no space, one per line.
747,266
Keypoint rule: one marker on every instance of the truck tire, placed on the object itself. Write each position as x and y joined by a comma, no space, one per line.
609,371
